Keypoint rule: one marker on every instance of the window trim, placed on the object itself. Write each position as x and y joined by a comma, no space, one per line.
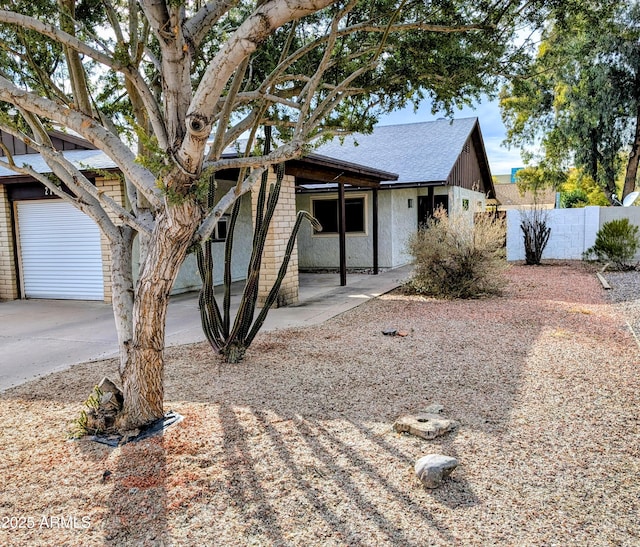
334,197
215,237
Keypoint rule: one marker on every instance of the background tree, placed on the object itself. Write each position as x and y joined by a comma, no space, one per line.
580,190
164,86
579,98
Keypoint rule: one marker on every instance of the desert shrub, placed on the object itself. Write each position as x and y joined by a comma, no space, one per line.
536,233
455,258
616,243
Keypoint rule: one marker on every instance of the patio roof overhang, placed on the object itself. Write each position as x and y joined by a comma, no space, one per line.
318,169
315,169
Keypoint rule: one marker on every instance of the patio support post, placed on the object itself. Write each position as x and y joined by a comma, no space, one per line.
432,200
342,233
375,231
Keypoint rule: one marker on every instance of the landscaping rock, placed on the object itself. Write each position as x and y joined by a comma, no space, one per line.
434,409
113,401
103,417
428,424
434,468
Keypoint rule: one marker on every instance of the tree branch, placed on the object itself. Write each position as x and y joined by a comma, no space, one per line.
285,152
67,40
90,130
198,26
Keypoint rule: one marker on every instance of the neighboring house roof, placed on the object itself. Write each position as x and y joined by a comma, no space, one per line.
419,152
59,139
508,195
77,150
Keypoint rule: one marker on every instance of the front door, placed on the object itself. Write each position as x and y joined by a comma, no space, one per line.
428,204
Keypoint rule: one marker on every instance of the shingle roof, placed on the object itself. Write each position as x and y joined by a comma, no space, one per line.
509,195
82,159
418,152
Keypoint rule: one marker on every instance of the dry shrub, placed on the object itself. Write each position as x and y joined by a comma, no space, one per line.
457,258
536,234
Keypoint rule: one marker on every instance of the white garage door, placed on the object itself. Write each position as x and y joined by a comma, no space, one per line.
60,252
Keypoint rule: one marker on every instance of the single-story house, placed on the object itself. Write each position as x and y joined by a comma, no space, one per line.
49,249
383,188
442,163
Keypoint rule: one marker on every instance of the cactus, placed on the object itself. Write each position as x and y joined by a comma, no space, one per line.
229,340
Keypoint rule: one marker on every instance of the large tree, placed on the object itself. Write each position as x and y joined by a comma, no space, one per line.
578,100
151,82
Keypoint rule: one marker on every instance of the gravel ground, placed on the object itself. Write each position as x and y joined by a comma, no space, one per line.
295,446
625,292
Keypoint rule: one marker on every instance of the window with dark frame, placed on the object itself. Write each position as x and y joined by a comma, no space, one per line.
326,211
220,231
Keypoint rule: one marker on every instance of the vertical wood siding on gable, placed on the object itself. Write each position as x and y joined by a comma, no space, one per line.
466,171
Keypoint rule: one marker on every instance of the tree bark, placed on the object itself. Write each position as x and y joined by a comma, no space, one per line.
634,159
143,369
77,76
122,288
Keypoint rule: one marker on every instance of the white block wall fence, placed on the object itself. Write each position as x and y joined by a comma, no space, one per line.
573,231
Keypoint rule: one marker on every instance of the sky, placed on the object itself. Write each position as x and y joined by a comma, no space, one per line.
501,159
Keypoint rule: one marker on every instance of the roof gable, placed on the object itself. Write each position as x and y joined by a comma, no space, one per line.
418,152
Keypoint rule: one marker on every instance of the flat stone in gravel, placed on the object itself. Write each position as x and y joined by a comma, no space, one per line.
434,468
427,424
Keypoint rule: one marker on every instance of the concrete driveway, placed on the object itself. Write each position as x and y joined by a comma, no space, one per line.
38,337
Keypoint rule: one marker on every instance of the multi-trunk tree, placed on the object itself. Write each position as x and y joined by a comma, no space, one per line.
163,87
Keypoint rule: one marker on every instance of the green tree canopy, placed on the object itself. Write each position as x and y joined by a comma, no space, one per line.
578,100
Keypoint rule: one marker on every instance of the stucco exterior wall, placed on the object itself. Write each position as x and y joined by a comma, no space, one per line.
404,222
396,222
477,201
319,251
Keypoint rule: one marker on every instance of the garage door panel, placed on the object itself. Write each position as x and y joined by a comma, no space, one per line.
60,252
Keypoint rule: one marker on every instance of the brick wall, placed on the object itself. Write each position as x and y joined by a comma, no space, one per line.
8,280
282,223
114,188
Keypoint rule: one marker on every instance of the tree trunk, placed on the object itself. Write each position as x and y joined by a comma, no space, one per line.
634,159
143,369
122,289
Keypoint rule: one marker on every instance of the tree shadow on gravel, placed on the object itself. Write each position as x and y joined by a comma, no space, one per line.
456,492
136,510
299,435
244,489
337,490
